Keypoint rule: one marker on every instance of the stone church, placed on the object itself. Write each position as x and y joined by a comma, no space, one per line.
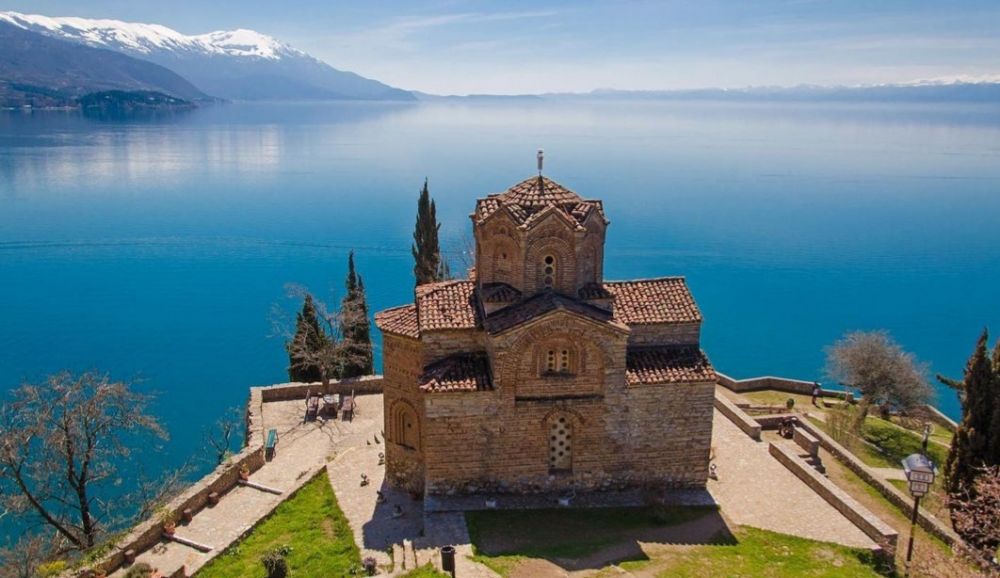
537,375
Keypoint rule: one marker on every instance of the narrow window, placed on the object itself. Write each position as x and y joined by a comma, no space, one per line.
560,445
564,361
550,361
550,271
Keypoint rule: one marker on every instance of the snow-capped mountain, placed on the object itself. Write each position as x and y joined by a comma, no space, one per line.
235,64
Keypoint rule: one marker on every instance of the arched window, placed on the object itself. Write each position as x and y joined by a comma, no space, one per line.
404,426
501,264
549,271
560,445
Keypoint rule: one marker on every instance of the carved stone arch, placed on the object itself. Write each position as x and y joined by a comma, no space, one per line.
510,362
404,424
563,262
568,412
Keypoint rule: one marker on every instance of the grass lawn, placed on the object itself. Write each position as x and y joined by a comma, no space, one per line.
426,571
887,443
574,534
562,533
765,554
311,523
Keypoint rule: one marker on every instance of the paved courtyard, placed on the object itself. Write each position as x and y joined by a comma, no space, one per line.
754,489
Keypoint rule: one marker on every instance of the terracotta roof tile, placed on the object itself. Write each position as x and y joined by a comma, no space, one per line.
665,300
447,305
674,364
399,320
527,200
541,304
464,372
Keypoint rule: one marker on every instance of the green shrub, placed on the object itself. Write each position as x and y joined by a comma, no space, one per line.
139,570
49,569
275,563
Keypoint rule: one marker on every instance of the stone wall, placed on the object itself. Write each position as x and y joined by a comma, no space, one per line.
873,527
404,362
286,391
738,416
902,501
649,437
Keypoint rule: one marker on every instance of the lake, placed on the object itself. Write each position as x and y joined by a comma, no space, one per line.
159,250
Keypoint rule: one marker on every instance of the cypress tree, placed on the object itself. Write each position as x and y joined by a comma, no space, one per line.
308,340
970,447
355,328
994,450
426,250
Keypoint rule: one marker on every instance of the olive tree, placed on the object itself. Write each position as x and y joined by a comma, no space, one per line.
886,376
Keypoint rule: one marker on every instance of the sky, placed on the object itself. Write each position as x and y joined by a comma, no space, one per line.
513,47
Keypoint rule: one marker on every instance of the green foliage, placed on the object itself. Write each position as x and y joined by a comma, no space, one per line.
139,570
309,336
355,326
275,563
310,524
427,266
977,441
49,569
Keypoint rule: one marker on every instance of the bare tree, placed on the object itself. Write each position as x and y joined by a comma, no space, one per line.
224,434
976,513
335,351
61,442
21,559
886,375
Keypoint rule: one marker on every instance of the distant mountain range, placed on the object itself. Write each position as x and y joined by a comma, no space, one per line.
55,61
40,71
233,65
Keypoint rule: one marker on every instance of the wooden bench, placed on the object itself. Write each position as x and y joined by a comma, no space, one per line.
269,446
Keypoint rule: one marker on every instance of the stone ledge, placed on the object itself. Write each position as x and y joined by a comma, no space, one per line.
738,417
288,391
897,498
873,526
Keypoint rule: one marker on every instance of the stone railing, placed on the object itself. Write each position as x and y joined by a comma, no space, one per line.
777,384
873,527
286,391
891,493
149,533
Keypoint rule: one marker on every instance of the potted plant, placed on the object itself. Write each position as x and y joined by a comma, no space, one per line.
370,565
168,521
790,403
244,472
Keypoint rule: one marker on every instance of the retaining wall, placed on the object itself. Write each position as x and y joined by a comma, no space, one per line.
902,501
286,391
737,416
873,527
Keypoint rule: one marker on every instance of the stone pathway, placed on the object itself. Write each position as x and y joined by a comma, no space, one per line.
754,489
302,449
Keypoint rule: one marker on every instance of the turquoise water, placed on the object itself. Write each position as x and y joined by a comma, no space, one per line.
157,250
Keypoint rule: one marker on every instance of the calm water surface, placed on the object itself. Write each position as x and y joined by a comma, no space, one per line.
158,249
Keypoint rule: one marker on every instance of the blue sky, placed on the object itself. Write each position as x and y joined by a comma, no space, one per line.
464,46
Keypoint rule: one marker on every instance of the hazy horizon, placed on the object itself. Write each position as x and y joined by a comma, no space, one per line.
488,47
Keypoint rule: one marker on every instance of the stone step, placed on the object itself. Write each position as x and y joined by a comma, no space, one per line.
409,555
397,557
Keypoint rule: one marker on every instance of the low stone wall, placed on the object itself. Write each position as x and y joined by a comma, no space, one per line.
935,415
737,416
777,384
805,440
149,532
873,527
902,501
286,391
